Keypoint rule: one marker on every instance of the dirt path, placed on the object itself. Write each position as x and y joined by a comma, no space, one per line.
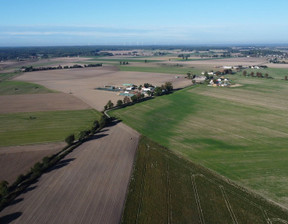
88,186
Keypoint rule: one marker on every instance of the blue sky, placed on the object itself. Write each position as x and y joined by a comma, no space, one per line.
127,22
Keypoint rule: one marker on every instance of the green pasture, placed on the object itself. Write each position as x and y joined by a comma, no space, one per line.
40,127
241,133
19,87
165,188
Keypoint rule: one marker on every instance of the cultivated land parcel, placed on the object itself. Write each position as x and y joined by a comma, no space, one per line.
239,132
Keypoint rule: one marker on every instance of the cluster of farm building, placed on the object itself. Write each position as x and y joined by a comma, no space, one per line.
129,89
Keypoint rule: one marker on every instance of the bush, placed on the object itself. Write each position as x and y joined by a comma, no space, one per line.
70,139
95,126
119,103
3,188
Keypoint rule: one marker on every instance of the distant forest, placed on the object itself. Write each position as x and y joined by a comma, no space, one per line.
21,53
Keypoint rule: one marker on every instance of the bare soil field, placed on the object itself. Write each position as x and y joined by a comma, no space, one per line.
40,102
16,160
82,82
87,186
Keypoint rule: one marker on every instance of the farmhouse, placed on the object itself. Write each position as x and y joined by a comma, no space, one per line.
223,82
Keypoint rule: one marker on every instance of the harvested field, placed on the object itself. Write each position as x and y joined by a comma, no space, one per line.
40,102
82,82
16,160
87,186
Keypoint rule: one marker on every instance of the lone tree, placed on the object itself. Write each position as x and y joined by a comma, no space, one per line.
109,105
95,126
3,188
126,100
168,86
158,91
119,103
70,139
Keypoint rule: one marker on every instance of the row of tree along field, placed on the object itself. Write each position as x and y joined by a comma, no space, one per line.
9,192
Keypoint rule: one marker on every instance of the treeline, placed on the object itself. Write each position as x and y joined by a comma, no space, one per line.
9,192
21,53
32,69
257,74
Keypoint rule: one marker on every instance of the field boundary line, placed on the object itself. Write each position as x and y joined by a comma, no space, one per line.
228,205
279,220
169,204
142,189
193,182
266,216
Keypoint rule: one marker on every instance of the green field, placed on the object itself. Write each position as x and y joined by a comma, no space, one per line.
9,75
276,73
167,189
240,133
40,127
18,87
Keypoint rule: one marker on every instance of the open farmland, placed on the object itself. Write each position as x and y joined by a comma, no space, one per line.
16,160
240,133
40,102
87,186
82,82
167,189
17,87
40,127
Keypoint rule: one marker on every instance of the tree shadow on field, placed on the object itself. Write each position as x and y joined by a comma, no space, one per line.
96,137
9,218
102,131
61,164
113,123
15,201
29,189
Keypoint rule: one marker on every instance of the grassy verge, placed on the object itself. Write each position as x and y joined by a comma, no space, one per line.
18,87
165,188
40,127
240,133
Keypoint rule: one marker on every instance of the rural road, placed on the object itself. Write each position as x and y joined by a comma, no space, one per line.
87,186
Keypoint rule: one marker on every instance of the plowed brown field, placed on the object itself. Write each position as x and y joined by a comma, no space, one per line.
82,82
87,186
40,102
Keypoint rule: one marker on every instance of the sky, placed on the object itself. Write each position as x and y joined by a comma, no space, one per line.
149,22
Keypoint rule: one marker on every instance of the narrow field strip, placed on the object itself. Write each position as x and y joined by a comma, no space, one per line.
201,216
228,205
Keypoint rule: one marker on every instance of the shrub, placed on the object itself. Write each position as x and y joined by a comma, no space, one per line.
70,139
